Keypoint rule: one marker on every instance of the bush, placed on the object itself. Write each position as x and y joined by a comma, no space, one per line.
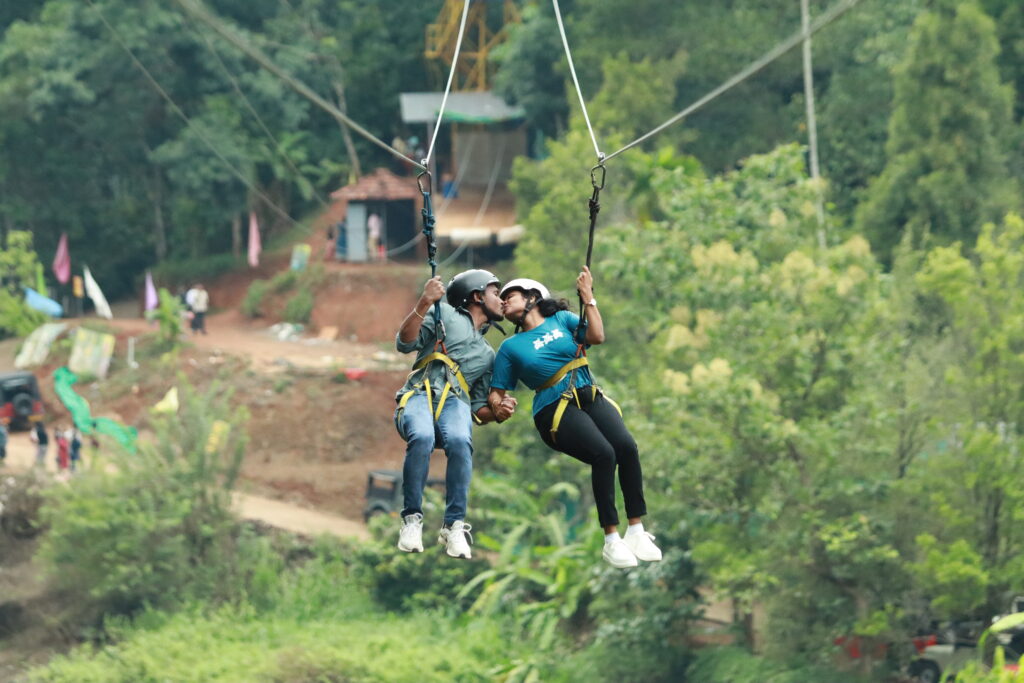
159,531
284,281
299,307
17,319
168,315
410,581
20,501
252,305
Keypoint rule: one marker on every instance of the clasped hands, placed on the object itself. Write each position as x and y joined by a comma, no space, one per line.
505,409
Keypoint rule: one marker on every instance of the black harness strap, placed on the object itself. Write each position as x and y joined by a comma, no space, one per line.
428,231
595,208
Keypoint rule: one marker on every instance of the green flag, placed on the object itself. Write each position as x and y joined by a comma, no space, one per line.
40,280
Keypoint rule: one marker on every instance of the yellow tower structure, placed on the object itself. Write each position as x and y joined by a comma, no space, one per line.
473,71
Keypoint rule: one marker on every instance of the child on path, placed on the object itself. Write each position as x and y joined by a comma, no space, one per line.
39,437
76,448
60,436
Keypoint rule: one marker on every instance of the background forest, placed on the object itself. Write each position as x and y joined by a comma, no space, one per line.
825,376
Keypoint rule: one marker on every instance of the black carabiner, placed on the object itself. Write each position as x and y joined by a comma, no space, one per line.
593,178
429,182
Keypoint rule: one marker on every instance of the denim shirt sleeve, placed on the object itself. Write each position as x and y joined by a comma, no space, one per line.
478,392
425,337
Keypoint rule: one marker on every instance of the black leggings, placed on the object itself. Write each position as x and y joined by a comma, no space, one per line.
595,434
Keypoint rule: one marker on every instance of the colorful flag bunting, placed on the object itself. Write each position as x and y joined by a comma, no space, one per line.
96,294
62,260
254,240
41,280
152,300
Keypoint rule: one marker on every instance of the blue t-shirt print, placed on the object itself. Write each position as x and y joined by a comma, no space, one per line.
535,356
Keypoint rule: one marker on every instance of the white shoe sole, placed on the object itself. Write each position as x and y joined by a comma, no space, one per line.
648,558
410,548
620,565
623,563
449,553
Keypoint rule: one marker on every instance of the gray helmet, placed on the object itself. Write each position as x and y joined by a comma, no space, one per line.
460,289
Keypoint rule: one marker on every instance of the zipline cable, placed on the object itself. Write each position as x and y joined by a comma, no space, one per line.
178,110
782,48
295,84
252,110
448,86
576,82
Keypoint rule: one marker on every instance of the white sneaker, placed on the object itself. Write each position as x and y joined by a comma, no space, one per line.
410,537
456,539
642,545
618,554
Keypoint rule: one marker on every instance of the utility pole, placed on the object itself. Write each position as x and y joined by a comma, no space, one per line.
812,124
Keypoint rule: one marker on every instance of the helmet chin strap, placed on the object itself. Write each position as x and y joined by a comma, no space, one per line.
492,318
529,307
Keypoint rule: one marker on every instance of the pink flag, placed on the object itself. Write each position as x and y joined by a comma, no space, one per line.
152,300
62,261
254,240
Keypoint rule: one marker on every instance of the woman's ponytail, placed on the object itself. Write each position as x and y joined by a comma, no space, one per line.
548,307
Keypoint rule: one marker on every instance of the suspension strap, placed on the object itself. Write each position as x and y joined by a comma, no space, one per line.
423,182
597,175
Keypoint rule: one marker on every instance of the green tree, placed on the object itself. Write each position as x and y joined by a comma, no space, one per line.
946,171
970,481
18,265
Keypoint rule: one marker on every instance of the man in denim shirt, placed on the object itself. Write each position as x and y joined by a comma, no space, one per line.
444,394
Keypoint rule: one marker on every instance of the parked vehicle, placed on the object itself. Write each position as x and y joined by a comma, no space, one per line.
384,492
943,656
20,402
1006,633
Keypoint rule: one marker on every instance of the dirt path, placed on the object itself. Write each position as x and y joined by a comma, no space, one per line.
229,332
21,454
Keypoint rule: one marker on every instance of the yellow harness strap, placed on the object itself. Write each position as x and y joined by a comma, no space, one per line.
454,367
570,393
563,371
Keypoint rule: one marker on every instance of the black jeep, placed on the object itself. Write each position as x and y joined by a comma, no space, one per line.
384,492
20,403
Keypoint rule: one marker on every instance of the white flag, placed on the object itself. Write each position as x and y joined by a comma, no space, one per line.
93,291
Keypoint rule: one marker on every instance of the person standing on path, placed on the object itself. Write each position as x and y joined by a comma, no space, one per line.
75,438
200,303
42,441
373,230
3,441
63,454
442,397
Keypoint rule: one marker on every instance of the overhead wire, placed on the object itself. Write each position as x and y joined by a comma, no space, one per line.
178,110
257,55
576,82
252,110
448,86
767,58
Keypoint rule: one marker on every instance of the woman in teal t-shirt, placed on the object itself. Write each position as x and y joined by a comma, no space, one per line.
578,420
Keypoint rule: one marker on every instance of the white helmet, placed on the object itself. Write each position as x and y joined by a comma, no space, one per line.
525,284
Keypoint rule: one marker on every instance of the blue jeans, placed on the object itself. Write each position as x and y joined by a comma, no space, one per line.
453,432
